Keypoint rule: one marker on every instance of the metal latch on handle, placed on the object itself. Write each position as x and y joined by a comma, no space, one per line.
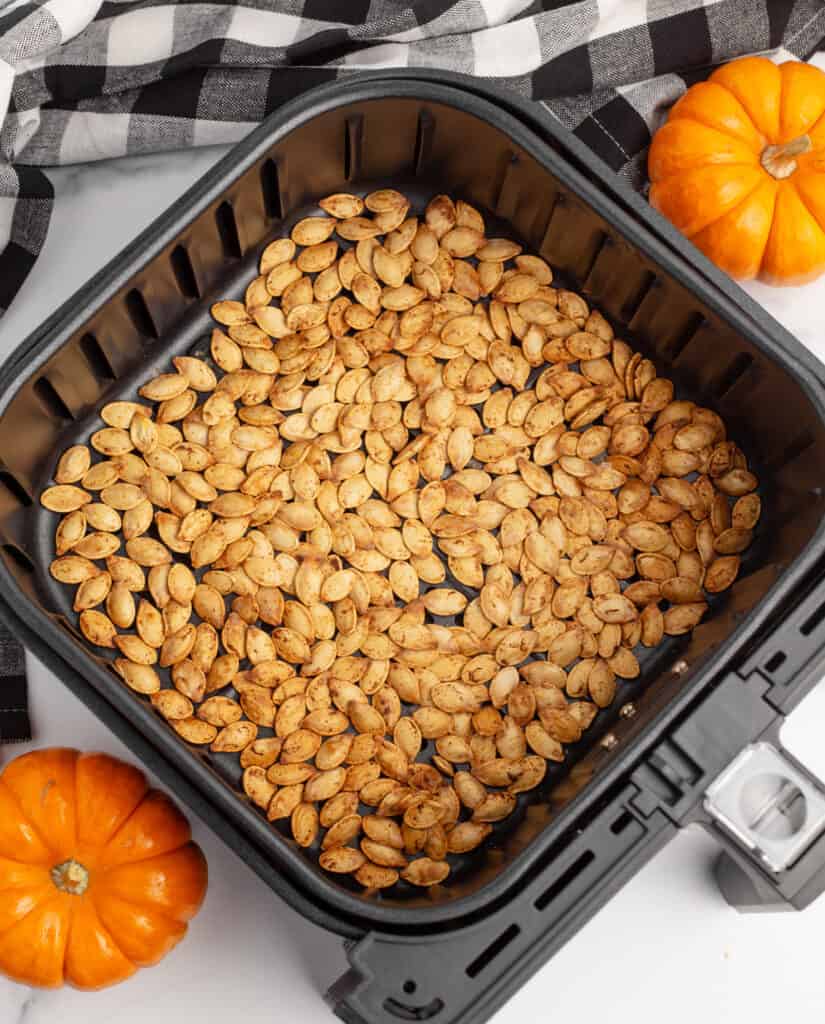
771,806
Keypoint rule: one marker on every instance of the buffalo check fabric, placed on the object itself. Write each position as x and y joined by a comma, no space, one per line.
84,80
88,80
14,715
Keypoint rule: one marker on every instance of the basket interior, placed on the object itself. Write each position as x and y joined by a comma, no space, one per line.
423,149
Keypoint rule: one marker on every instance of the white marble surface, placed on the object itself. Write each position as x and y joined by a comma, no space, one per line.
667,945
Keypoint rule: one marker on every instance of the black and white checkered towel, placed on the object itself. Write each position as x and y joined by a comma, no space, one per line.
91,79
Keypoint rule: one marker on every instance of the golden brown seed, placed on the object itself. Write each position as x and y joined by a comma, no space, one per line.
141,678
383,830
73,569
304,824
729,542
72,465
543,743
325,784
93,592
681,618
280,251
172,705
285,801
72,529
136,650
721,573
194,731
601,684
372,876
746,512
290,774
342,860
165,386
255,784
122,496
98,628
614,608
340,808
494,807
235,737
383,854
342,205
178,646
426,872
64,498
312,230
467,836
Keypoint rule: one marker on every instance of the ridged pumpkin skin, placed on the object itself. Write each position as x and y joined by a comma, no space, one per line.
739,168
98,873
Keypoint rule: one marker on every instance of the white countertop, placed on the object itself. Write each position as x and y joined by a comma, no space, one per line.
666,946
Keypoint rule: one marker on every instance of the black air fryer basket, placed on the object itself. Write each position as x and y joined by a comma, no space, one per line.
694,739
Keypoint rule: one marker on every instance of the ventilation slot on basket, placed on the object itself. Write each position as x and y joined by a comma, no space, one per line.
507,189
15,488
778,659
738,368
621,823
492,951
425,132
184,273
792,451
542,221
96,358
140,316
810,624
545,246
271,190
51,400
228,231
605,245
353,143
19,557
681,342
631,306
565,878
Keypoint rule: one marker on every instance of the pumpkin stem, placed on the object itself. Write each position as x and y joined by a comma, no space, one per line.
779,160
71,877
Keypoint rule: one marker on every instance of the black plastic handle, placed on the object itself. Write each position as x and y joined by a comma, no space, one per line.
463,976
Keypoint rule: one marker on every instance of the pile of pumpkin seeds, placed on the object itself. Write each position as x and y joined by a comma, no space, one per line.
416,494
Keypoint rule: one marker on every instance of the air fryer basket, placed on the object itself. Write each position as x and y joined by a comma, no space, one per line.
153,302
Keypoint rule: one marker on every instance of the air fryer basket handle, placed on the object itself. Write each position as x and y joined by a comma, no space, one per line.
724,767
773,853
784,668
462,976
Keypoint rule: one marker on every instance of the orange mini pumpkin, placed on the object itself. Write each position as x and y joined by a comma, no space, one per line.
98,874
739,168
